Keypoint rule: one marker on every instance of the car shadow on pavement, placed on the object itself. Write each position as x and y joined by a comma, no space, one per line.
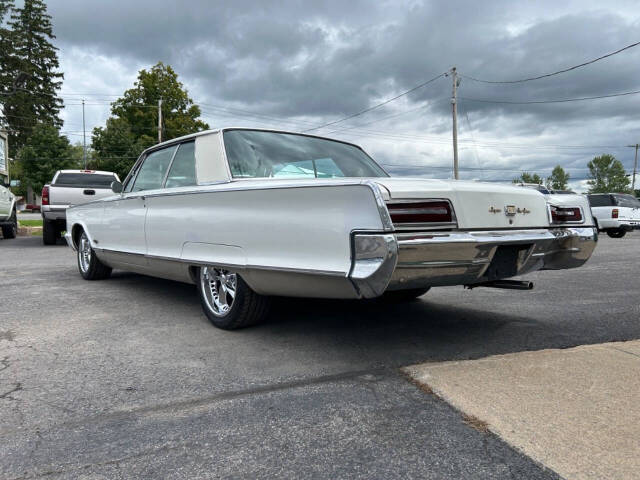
386,334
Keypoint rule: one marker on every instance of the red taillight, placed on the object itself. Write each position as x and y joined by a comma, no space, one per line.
436,211
45,195
565,214
614,213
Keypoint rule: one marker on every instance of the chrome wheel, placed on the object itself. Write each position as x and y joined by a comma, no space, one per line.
84,253
219,289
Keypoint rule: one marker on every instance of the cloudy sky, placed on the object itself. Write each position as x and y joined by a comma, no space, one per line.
299,64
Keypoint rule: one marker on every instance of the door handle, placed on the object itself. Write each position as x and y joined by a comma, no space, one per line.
89,192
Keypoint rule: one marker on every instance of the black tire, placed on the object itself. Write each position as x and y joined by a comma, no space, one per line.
90,266
618,233
247,307
49,232
11,229
397,296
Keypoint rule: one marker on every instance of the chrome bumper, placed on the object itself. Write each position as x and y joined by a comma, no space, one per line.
67,237
417,260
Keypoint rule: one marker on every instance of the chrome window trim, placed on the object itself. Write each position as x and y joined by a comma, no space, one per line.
166,176
165,173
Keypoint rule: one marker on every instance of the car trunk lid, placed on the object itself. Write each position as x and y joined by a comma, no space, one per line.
476,205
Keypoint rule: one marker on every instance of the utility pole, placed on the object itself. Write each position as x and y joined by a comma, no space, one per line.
454,108
635,168
160,121
84,140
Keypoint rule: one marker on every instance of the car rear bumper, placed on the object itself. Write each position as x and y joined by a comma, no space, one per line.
618,224
54,213
417,260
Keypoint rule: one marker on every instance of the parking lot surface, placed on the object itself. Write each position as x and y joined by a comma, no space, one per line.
125,378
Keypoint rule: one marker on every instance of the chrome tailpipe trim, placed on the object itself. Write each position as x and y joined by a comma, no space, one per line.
506,284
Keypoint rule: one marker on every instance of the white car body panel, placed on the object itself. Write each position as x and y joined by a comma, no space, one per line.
7,201
322,237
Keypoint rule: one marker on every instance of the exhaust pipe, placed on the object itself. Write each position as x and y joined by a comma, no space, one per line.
508,284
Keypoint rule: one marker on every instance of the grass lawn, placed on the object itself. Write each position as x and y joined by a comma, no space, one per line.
30,223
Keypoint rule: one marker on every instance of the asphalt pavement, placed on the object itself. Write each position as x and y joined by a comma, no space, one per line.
125,378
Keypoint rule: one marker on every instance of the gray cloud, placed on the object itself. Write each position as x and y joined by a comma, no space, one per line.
317,61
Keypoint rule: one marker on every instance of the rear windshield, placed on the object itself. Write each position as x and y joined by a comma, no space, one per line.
84,180
627,201
600,201
263,154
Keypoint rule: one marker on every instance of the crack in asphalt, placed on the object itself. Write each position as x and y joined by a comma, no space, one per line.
217,397
7,395
5,363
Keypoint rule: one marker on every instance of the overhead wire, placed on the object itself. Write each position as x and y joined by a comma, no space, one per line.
353,115
558,72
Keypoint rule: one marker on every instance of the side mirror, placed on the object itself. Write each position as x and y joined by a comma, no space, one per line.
116,187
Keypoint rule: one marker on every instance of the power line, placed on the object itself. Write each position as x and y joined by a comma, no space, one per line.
564,70
563,100
353,115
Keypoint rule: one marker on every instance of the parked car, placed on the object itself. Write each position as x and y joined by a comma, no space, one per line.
8,217
70,187
246,214
615,213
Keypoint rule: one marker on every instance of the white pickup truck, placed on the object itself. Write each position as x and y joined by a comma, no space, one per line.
8,218
71,187
615,213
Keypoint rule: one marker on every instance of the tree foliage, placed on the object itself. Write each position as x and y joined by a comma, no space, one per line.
607,175
559,179
45,152
526,177
27,53
133,125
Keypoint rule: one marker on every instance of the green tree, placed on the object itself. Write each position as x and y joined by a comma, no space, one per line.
559,179
527,177
33,56
607,175
45,152
133,125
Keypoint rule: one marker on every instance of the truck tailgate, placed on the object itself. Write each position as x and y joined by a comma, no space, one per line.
66,196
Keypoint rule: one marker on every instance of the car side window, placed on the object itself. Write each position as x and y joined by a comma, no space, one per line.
183,169
153,169
626,201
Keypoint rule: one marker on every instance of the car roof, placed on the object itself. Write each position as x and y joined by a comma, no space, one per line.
223,129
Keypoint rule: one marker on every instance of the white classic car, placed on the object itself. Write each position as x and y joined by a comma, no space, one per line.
246,214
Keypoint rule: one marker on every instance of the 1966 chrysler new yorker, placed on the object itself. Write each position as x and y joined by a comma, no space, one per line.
246,214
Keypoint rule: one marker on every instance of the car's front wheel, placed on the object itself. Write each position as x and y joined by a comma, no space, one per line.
227,301
618,233
90,266
11,229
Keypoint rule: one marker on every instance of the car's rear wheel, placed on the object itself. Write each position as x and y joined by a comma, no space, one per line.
618,233
11,229
49,232
227,301
404,295
90,266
